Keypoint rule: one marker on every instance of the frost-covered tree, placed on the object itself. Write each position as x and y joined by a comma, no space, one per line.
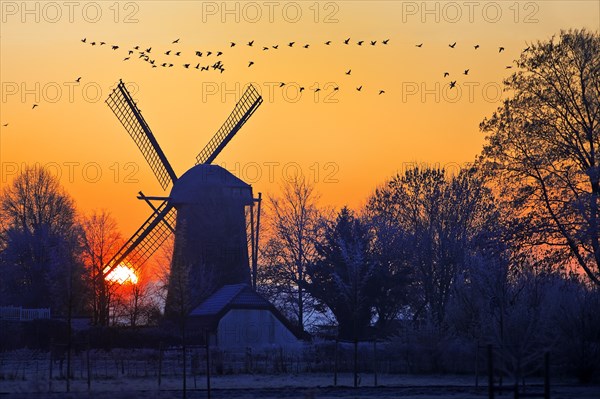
40,260
342,275
440,221
543,144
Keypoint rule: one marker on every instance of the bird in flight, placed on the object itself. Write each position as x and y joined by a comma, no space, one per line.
301,89
149,49
508,66
349,72
168,52
251,43
500,49
360,42
102,43
281,84
317,90
347,41
265,48
328,42
466,72
83,40
336,88
34,105
476,46
381,92
176,41
78,79
250,64
291,44
446,74
186,65
93,43
373,42
275,46
306,45
452,84
5,125
526,50
130,52
178,53
359,88
419,45
232,44
115,47
219,53
452,45
199,53
385,41
136,48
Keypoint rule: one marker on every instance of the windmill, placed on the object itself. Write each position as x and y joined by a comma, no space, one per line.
205,208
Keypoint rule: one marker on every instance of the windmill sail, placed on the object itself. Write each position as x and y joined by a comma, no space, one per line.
146,240
122,105
248,103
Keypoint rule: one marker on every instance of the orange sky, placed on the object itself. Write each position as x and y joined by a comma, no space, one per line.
355,140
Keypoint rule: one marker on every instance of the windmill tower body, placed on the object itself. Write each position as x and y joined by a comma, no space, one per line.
211,247
205,209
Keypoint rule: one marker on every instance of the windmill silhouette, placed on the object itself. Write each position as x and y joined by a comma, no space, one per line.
205,208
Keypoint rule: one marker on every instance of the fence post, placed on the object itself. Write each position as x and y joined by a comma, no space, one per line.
207,366
375,362
89,371
477,365
547,375
490,367
50,368
160,357
335,364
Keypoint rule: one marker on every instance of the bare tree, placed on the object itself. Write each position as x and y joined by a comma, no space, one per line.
100,241
543,144
293,230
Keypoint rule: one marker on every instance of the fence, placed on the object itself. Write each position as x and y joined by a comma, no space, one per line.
20,314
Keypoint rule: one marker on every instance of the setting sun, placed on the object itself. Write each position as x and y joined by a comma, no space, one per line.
122,274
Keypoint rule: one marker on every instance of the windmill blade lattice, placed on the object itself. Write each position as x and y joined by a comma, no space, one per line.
146,240
248,103
123,106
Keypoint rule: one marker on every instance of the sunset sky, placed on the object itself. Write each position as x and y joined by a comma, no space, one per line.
346,141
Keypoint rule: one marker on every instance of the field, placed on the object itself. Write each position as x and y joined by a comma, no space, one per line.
133,374
245,386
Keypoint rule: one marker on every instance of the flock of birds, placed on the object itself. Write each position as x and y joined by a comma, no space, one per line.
146,55
151,58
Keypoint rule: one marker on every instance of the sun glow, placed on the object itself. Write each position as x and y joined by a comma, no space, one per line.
122,274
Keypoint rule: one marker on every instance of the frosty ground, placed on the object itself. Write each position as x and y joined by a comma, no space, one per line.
312,385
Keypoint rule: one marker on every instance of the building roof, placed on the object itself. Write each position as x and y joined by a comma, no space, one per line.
234,296
201,179
231,296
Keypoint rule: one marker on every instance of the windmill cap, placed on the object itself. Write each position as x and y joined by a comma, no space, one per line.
203,180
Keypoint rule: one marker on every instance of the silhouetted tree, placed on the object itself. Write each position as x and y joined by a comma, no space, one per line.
40,261
543,143
101,239
293,222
